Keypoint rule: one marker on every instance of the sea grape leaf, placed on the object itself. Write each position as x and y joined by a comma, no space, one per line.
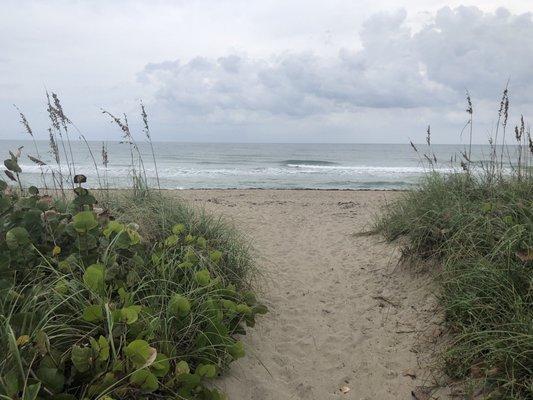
94,278
215,256
179,305
172,240
206,370
243,309
12,383
17,237
202,277
42,342
161,365
81,358
84,221
130,314
185,265
22,340
140,353
56,251
182,368
236,350
113,227
103,353
191,256
93,313
145,380
51,378
201,242
178,228
260,309
32,391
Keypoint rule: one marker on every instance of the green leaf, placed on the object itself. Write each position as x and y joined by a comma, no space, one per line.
182,368
42,342
172,240
191,256
130,314
201,242
145,380
93,313
260,309
161,365
190,381
113,227
51,378
185,265
140,353
179,305
3,185
12,384
230,305
236,350
103,354
33,190
178,228
202,277
12,165
81,358
206,370
32,391
94,278
84,221
243,309
61,287
215,256
17,237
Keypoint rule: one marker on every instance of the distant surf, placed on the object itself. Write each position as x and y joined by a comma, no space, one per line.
307,163
267,166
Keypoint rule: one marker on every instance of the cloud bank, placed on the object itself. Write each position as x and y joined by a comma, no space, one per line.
251,71
396,68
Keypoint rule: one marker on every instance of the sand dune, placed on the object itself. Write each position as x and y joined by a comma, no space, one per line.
343,314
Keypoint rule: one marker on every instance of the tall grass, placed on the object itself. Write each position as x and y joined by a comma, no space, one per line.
478,223
175,279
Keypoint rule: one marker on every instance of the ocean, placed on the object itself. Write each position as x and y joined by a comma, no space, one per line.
252,165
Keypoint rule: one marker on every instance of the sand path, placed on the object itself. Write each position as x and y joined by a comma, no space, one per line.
341,312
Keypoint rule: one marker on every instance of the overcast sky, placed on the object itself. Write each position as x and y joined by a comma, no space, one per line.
268,71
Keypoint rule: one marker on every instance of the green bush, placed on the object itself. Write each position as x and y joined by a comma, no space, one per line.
481,230
90,309
156,214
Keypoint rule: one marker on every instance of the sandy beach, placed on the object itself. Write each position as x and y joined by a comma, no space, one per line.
344,316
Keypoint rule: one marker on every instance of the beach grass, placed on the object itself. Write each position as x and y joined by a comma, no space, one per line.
115,294
477,225
158,211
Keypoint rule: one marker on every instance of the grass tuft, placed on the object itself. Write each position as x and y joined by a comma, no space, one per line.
479,225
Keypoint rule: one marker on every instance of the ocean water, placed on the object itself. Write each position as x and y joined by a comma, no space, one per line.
252,165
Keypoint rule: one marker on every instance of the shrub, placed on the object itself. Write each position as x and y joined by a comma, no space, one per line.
91,309
156,213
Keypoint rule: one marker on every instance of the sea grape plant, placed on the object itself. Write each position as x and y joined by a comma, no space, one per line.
90,310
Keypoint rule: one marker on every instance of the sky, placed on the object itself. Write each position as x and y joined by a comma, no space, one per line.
370,71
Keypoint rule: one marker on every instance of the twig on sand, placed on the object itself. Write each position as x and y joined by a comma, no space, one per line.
386,300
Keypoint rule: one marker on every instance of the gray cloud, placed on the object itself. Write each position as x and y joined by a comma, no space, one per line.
240,70
395,68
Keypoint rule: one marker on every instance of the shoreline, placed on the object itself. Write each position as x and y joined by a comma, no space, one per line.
252,189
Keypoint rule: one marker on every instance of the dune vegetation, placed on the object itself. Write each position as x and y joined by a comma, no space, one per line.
107,295
478,224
